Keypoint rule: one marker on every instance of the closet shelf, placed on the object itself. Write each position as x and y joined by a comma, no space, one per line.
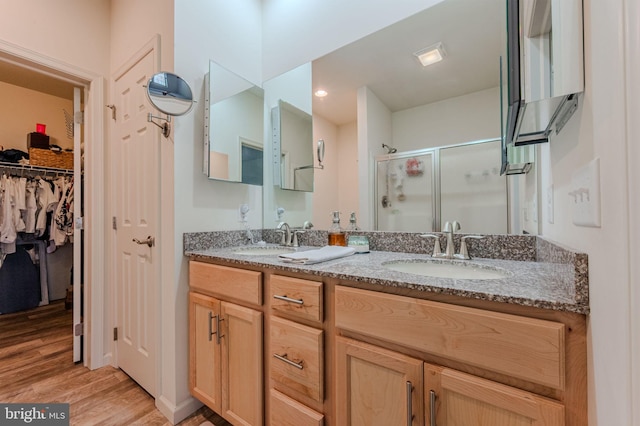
27,169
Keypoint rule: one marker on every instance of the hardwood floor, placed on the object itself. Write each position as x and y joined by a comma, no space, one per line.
36,365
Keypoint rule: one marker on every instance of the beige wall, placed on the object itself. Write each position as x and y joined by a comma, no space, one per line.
28,107
71,31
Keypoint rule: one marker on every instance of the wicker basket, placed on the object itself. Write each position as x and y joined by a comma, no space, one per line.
48,158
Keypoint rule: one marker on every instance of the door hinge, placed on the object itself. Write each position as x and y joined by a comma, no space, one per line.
78,329
115,334
78,117
80,222
114,224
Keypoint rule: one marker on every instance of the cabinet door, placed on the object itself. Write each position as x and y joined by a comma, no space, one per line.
454,398
204,351
376,386
242,372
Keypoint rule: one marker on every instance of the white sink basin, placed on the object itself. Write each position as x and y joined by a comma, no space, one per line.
442,269
262,250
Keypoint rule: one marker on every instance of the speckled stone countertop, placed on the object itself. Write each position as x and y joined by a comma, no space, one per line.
540,273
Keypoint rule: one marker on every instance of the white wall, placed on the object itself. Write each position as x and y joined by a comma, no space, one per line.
467,118
374,129
598,130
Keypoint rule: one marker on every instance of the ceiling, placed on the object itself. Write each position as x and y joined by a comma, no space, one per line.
471,32
22,76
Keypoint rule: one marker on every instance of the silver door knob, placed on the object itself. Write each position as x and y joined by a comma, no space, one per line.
150,241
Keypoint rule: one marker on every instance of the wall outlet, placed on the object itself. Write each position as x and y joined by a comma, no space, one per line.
585,194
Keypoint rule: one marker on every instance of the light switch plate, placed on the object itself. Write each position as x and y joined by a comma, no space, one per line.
585,194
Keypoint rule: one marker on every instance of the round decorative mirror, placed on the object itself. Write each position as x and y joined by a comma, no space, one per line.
170,94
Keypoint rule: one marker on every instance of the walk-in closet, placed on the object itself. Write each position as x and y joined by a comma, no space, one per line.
40,182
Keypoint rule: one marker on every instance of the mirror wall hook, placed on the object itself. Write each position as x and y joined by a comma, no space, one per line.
166,127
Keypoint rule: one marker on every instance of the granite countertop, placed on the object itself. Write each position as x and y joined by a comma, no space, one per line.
545,283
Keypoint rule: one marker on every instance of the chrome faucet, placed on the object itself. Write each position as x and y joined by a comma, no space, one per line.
450,229
285,230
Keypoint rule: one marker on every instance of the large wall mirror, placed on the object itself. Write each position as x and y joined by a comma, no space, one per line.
381,101
234,127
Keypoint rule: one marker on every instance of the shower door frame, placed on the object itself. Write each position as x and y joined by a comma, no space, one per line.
436,187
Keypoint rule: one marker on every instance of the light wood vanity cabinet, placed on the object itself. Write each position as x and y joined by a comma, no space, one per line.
225,342
316,353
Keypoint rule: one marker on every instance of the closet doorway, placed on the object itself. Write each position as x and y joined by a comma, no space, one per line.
46,191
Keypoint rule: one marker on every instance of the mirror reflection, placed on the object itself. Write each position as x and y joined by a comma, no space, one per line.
293,143
169,93
234,127
379,94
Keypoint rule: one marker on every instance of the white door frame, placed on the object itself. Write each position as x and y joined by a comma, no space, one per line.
632,44
94,207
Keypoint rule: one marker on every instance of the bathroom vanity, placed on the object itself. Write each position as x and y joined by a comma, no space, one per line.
350,341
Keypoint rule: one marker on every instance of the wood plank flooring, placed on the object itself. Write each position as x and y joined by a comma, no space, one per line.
36,365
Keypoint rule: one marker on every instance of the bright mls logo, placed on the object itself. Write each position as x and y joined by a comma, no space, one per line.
34,414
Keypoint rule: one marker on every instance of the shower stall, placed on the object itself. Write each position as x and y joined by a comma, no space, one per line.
417,191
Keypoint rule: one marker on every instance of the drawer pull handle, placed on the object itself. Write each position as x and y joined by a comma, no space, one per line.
432,408
409,404
288,299
284,358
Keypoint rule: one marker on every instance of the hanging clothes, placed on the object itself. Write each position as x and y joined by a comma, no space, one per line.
42,207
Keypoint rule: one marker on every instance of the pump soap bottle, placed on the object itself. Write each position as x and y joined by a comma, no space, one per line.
360,243
337,236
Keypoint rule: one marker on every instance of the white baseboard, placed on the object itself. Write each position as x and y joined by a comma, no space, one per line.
177,413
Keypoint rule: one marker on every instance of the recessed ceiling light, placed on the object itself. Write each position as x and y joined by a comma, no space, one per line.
321,93
430,55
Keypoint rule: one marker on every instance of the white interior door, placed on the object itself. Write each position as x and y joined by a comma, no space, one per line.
137,194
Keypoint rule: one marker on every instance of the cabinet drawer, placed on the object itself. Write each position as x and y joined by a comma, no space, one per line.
297,357
225,282
297,298
289,412
525,348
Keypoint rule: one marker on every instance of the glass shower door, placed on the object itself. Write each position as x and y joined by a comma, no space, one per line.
471,188
404,192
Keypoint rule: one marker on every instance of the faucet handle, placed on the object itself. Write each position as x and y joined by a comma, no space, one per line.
295,233
283,241
464,252
437,251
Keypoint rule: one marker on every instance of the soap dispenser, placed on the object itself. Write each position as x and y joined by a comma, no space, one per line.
337,236
360,243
